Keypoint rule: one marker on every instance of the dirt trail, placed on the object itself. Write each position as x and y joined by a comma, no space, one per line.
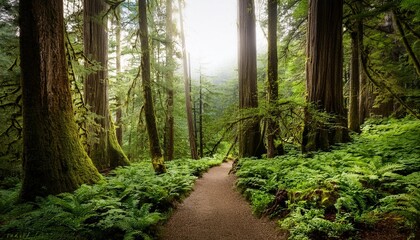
215,210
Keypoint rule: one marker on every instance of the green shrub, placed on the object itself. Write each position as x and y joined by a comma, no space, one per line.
352,185
128,204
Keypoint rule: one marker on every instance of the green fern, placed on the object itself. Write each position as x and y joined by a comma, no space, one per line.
407,205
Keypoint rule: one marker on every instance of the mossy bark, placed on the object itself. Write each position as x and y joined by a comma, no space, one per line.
106,152
324,74
115,153
354,122
154,145
54,159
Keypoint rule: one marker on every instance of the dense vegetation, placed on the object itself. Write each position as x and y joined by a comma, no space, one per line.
344,191
127,204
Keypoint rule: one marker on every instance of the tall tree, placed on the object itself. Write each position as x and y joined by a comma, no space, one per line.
324,73
250,142
169,74
272,85
353,116
155,151
54,160
200,117
364,87
106,152
118,119
188,104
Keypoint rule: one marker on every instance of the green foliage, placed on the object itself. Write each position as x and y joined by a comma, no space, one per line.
10,91
307,223
128,204
406,204
333,193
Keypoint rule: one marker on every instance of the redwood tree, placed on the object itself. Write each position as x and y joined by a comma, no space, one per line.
118,117
106,152
272,85
356,76
250,142
187,88
155,151
54,160
354,122
324,72
169,75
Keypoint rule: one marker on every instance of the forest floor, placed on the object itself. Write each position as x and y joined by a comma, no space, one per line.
215,210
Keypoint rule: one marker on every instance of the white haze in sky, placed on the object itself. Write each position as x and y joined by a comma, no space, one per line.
211,35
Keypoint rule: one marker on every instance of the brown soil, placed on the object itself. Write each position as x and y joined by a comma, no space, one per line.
214,210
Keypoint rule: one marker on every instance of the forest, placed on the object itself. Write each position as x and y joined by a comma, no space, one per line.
109,130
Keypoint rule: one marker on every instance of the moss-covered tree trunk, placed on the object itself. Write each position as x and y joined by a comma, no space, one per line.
106,152
187,89
155,151
273,128
354,123
54,160
169,75
250,141
324,73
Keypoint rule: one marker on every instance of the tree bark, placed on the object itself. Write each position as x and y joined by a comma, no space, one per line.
354,123
170,67
273,128
118,120
188,104
154,145
200,119
54,160
324,73
95,40
250,142
365,89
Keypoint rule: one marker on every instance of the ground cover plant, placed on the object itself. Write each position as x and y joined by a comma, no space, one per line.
344,192
127,204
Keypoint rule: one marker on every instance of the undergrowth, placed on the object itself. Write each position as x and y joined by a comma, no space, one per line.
128,204
333,195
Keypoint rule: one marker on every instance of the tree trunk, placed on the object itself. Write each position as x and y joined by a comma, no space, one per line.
54,160
170,67
250,142
155,151
354,123
273,128
188,104
200,119
95,41
365,89
118,120
324,73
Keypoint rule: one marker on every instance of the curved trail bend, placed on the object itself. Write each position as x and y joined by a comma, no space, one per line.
216,211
